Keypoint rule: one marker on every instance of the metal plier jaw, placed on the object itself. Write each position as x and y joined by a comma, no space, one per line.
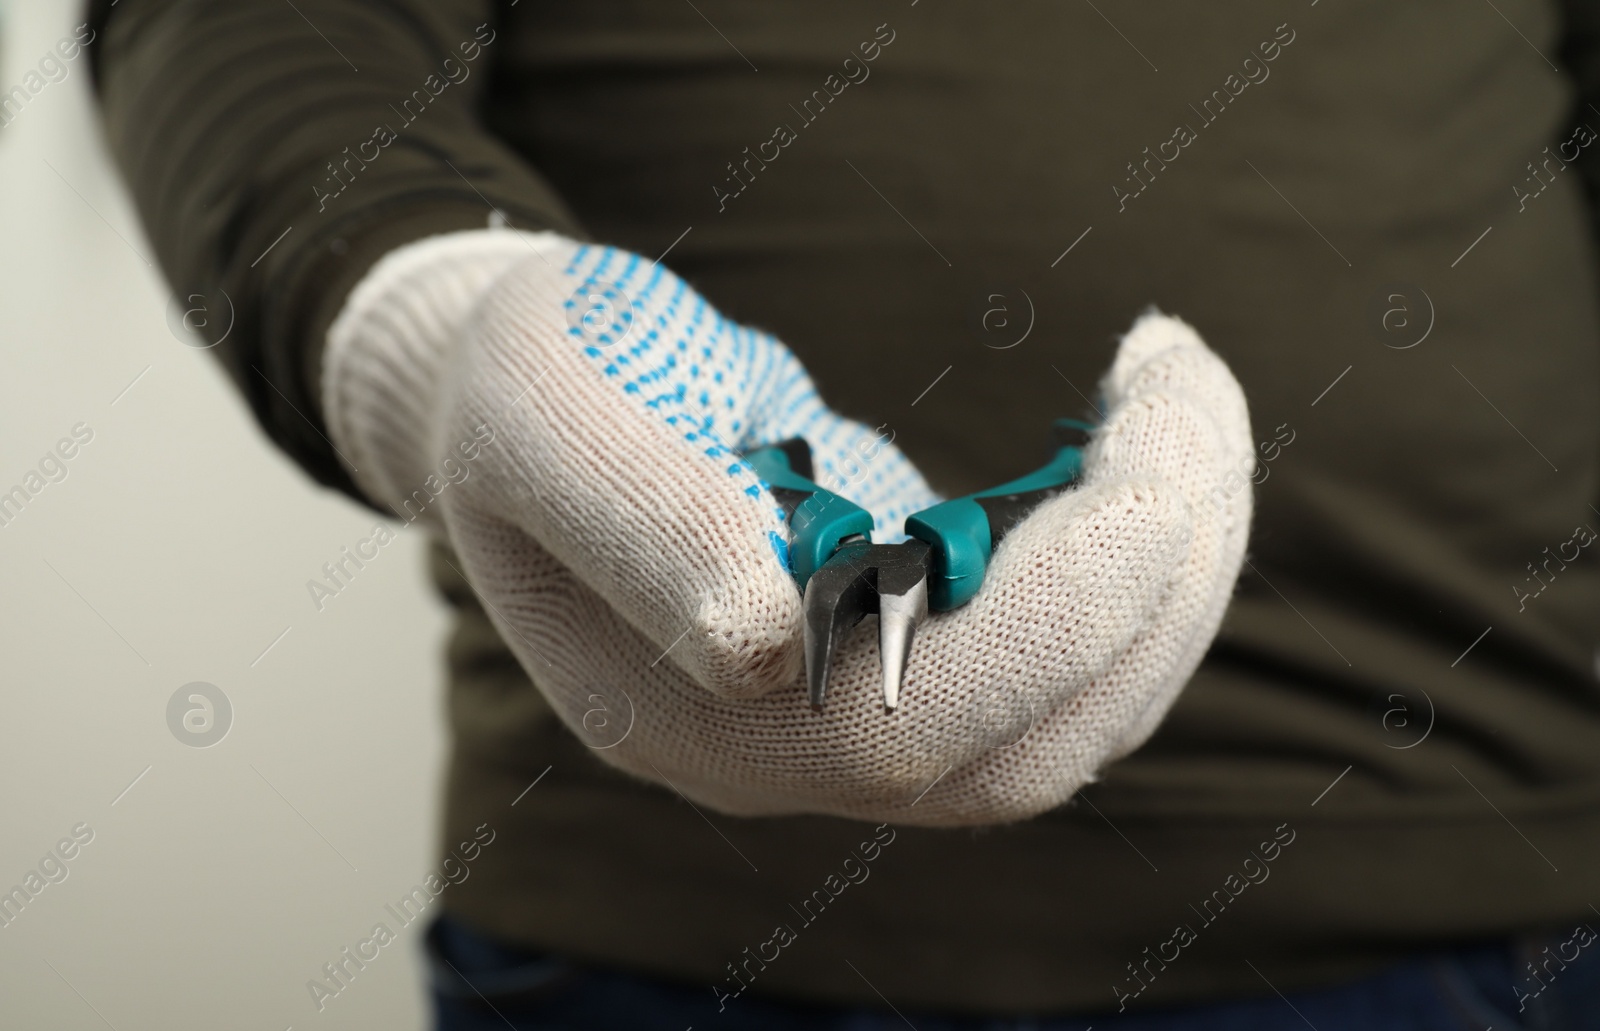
844,577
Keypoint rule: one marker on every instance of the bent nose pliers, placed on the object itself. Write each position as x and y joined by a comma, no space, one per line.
844,576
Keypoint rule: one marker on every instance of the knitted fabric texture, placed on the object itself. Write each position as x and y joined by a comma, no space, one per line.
635,565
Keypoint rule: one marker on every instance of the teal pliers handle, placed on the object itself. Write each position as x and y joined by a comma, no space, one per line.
819,520
963,532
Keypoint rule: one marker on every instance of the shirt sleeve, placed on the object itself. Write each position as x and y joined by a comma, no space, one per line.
275,151
1580,56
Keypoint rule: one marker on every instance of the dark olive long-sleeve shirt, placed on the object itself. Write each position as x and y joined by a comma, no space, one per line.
1379,215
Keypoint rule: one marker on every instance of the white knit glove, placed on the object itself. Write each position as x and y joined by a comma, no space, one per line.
575,413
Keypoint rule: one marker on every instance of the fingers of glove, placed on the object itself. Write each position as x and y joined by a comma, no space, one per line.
1065,593
1038,757
1162,365
1069,591
629,480
1161,424
1163,354
1207,586
1164,423
773,754
1041,766
1161,420
1168,435
607,682
1174,437
763,756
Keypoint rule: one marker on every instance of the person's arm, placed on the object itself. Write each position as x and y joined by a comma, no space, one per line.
607,517
276,151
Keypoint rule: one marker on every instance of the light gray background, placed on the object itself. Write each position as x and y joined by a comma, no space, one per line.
227,876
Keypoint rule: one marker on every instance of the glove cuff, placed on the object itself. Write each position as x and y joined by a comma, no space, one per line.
386,365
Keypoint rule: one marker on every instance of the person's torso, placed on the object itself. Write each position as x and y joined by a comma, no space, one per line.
951,211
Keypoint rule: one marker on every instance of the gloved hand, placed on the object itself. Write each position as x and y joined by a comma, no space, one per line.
635,566
614,400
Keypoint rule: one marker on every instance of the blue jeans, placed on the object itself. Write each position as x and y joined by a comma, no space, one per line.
482,985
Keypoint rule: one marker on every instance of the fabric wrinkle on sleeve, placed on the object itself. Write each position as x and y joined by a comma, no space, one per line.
275,152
